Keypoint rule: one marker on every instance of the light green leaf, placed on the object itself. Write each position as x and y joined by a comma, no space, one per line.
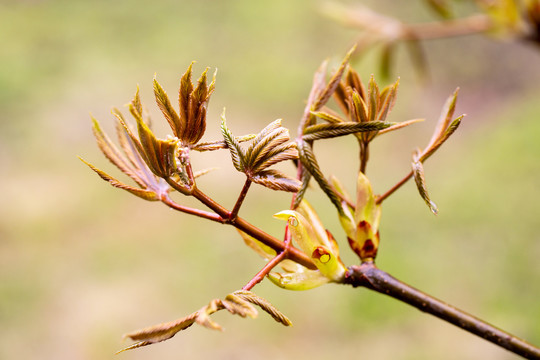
317,248
419,179
299,281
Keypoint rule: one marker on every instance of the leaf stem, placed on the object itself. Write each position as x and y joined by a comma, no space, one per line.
382,197
241,197
241,224
200,213
268,267
364,156
369,276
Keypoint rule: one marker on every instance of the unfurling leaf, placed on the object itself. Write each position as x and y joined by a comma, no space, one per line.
418,172
189,124
366,208
307,157
326,116
113,154
220,144
361,223
276,180
447,113
237,303
237,154
142,193
307,280
326,94
267,140
306,177
164,104
159,155
444,136
265,305
269,147
130,163
326,131
314,242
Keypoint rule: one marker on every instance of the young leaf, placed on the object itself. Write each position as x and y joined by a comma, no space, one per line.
164,104
258,151
445,118
186,88
307,157
287,151
327,131
444,136
372,98
306,280
333,83
276,180
331,118
305,178
142,193
113,154
418,172
264,305
236,151
318,248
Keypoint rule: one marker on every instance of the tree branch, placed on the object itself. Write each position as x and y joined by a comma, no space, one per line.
241,197
369,276
241,224
268,267
200,213
382,197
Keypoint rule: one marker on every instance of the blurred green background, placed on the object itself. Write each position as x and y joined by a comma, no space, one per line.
82,263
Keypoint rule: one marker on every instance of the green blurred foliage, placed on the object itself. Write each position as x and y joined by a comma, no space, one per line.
81,263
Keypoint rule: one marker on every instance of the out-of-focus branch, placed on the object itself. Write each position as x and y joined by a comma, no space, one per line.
383,27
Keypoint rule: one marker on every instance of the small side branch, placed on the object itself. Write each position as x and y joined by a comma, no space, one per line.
241,224
382,197
200,213
268,267
471,25
241,197
369,276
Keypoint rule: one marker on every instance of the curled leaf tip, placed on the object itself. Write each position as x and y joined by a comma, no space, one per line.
285,215
433,208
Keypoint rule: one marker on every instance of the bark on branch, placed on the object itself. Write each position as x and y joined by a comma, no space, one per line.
369,276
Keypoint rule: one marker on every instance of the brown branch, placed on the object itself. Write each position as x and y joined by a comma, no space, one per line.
364,156
241,197
241,224
200,213
268,267
369,276
382,197
390,28
473,24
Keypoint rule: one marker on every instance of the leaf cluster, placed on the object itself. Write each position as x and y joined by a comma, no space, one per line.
268,147
239,303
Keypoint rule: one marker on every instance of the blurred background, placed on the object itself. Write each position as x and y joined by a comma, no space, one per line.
82,263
